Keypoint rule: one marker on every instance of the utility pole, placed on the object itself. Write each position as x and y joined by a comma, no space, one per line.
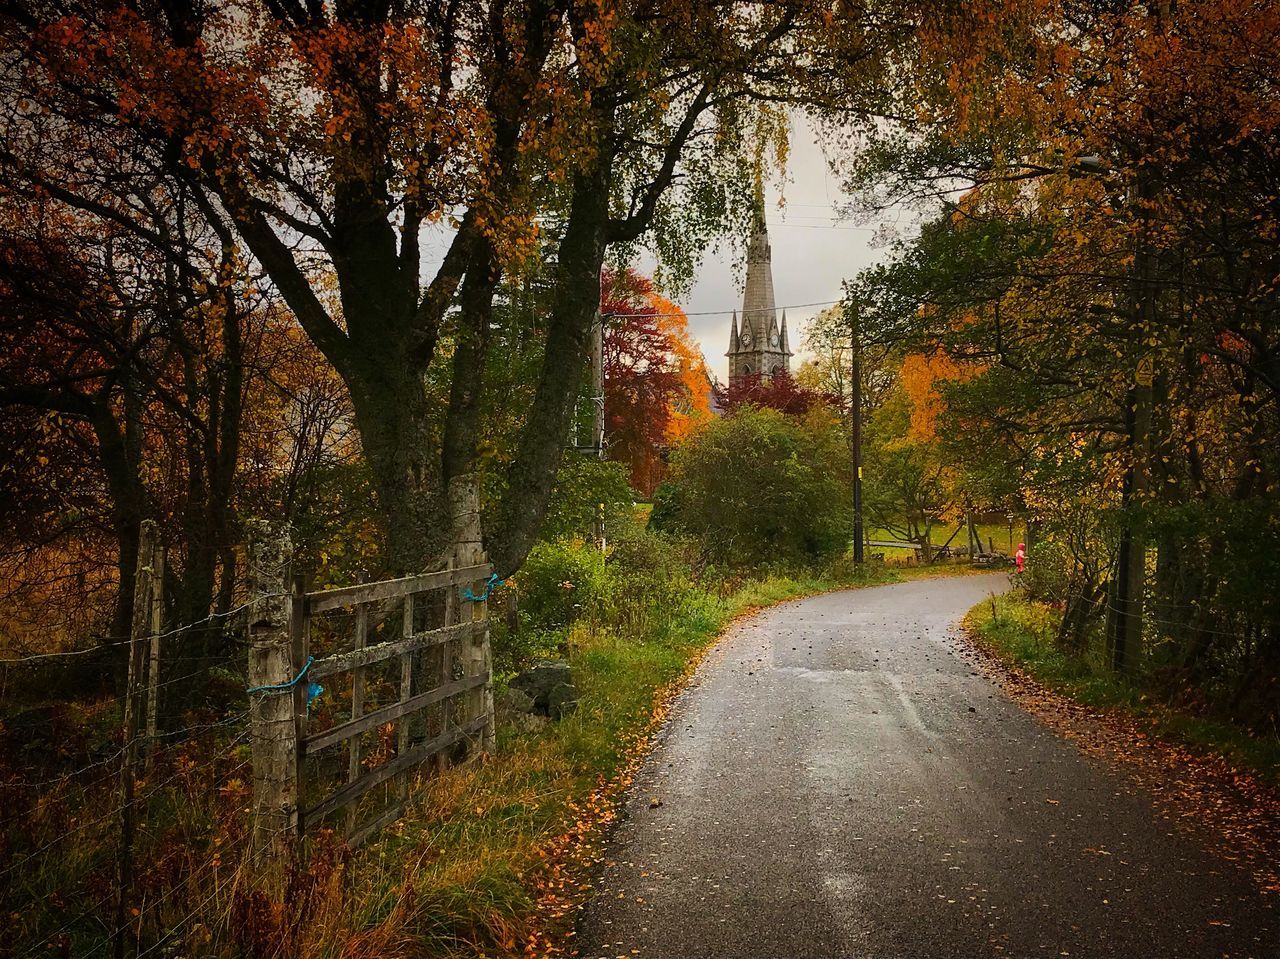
597,408
597,386
1125,632
855,386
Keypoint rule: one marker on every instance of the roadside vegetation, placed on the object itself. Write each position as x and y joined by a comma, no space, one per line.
1024,632
314,262
489,857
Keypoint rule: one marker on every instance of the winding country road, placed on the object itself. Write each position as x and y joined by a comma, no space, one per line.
842,782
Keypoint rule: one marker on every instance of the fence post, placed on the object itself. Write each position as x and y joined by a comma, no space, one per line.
273,667
468,550
139,633
153,659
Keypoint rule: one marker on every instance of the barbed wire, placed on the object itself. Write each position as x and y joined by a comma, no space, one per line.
154,904
141,739
1104,604
79,917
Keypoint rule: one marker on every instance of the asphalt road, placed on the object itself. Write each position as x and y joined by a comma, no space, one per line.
841,782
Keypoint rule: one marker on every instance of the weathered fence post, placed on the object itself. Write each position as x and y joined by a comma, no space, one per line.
274,664
354,757
440,665
153,659
141,629
468,550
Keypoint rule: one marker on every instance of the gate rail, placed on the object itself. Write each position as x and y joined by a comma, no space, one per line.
443,703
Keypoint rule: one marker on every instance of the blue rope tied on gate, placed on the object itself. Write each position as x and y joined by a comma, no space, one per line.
492,583
313,689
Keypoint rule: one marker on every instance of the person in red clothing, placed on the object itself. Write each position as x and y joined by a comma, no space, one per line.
1020,557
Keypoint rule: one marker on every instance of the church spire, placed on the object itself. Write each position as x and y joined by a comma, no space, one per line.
758,345
757,204
759,313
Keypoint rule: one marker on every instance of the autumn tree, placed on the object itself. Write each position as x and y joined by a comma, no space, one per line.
125,329
758,486
781,392
146,362
339,135
1112,266
657,390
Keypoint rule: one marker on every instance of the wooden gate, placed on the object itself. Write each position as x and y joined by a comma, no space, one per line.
404,662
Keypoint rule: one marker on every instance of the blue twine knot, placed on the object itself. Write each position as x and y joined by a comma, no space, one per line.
281,687
313,689
492,583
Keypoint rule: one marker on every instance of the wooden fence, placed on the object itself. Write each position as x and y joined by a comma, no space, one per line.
407,665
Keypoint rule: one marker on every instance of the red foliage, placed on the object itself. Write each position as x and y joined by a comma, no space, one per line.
780,392
653,375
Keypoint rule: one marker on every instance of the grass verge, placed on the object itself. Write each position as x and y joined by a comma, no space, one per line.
1021,632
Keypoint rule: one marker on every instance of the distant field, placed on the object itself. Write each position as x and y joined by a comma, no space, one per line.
940,534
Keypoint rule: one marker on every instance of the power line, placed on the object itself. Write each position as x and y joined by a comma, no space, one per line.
788,306
825,226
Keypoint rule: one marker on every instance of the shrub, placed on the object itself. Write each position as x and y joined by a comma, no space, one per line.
666,507
1046,576
758,486
559,582
585,485
650,584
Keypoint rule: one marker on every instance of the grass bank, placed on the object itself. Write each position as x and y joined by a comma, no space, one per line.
492,860
1021,633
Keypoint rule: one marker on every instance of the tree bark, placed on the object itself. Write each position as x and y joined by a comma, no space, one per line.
532,473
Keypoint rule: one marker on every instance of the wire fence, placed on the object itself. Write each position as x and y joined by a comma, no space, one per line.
1218,637
115,642
64,832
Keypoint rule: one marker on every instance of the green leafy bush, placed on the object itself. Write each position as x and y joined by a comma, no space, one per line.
758,486
1046,576
559,582
651,586
587,489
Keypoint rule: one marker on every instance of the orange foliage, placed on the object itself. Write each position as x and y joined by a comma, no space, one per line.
657,390
921,377
693,408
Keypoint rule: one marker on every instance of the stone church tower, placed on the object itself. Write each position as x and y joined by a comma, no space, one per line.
759,346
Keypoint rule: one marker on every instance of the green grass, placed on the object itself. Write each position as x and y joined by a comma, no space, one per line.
462,874
1022,632
940,534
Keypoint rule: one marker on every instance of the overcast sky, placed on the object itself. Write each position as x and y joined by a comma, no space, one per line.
814,251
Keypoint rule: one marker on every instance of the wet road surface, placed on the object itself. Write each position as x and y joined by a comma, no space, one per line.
841,782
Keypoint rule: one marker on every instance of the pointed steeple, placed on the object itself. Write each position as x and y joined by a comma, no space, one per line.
759,344
733,335
759,313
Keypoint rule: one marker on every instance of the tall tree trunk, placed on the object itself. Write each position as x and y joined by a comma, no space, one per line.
531,476
119,454
395,418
